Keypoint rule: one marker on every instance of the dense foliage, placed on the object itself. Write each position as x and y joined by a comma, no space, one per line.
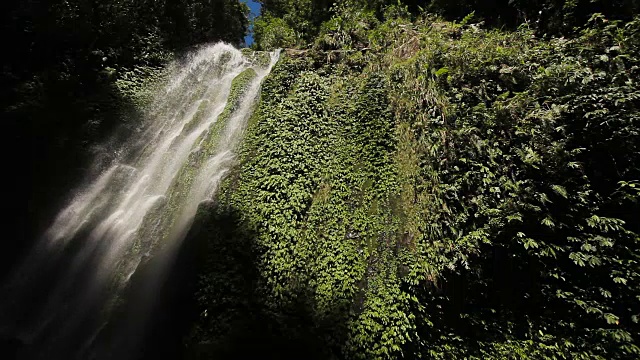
421,179
302,21
411,187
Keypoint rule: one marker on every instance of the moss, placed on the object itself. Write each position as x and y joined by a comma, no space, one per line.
197,117
239,86
257,58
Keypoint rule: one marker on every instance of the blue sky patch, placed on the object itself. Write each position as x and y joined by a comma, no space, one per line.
255,11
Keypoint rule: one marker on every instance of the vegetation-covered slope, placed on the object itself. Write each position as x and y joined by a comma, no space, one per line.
411,187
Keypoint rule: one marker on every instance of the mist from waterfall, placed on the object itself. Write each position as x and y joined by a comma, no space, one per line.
136,212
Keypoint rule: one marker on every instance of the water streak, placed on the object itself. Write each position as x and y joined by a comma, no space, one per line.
142,205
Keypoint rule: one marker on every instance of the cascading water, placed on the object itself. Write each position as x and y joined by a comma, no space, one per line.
138,209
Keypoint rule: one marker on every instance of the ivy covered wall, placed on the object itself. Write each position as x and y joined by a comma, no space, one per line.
446,192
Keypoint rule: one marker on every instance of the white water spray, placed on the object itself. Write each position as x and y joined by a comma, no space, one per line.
143,204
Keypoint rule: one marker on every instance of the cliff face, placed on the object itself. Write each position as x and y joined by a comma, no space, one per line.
405,186
444,192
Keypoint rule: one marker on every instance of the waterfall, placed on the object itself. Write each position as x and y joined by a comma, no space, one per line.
138,209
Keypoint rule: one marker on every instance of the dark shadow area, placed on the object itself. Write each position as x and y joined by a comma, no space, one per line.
56,103
47,159
217,307
208,303
48,152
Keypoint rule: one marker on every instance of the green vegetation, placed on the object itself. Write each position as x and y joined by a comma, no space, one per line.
420,179
284,22
412,187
